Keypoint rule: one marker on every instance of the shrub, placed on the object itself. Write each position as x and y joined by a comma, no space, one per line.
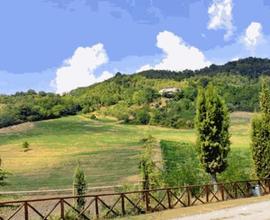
25,146
79,187
142,116
93,117
181,164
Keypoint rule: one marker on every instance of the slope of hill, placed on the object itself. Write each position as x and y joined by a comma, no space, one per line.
109,152
136,99
57,145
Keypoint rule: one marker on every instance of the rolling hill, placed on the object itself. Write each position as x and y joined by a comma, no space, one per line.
136,99
109,152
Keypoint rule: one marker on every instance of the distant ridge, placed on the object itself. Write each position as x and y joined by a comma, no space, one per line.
251,66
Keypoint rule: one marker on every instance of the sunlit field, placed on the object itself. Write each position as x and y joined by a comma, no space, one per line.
107,150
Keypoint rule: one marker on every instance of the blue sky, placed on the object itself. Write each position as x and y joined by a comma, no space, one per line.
58,45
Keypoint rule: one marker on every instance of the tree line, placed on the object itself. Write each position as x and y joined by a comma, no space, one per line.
136,98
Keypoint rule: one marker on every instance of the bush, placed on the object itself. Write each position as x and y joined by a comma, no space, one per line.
93,117
240,166
142,116
181,164
25,146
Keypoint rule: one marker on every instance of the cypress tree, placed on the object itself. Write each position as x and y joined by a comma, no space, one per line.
149,170
212,124
260,135
79,187
3,175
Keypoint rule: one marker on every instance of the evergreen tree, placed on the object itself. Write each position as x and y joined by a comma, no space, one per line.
212,123
149,169
260,135
3,175
79,187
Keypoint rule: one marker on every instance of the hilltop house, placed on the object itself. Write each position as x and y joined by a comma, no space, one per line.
169,92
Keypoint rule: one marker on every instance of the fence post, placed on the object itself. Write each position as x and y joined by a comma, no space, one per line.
188,195
268,184
222,192
26,214
248,186
235,190
62,209
123,204
147,201
207,193
169,198
96,207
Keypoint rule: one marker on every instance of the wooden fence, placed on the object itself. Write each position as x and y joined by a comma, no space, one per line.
130,203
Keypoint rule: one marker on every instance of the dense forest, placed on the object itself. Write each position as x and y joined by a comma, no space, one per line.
137,98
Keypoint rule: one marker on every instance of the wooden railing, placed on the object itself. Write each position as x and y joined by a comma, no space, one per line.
130,203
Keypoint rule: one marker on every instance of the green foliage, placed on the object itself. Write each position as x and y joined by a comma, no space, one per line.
251,67
3,175
181,164
25,144
80,187
237,81
261,135
120,110
93,117
212,123
144,96
142,116
149,170
240,166
32,106
176,114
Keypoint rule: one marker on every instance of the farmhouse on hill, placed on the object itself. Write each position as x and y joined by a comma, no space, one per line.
169,92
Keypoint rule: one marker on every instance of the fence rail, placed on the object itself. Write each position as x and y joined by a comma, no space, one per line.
111,205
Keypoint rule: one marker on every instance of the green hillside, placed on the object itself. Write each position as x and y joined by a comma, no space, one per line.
107,150
136,98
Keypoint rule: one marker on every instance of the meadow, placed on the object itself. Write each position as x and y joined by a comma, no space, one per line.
107,150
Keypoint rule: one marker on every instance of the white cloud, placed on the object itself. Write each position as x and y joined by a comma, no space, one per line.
145,67
220,13
104,76
253,35
178,55
78,71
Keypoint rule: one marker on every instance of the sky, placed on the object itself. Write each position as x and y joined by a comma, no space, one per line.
59,45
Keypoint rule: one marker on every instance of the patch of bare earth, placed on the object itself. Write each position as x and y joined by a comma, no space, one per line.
17,128
239,114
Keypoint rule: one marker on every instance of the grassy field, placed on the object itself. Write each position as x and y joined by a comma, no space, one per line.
107,150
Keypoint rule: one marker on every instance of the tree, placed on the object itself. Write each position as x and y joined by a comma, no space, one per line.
212,123
25,146
142,116
3,175
260,135
79,187
149,170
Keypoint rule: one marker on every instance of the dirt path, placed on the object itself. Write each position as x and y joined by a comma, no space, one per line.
259,211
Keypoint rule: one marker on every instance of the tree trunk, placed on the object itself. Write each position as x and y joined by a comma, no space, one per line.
214,181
